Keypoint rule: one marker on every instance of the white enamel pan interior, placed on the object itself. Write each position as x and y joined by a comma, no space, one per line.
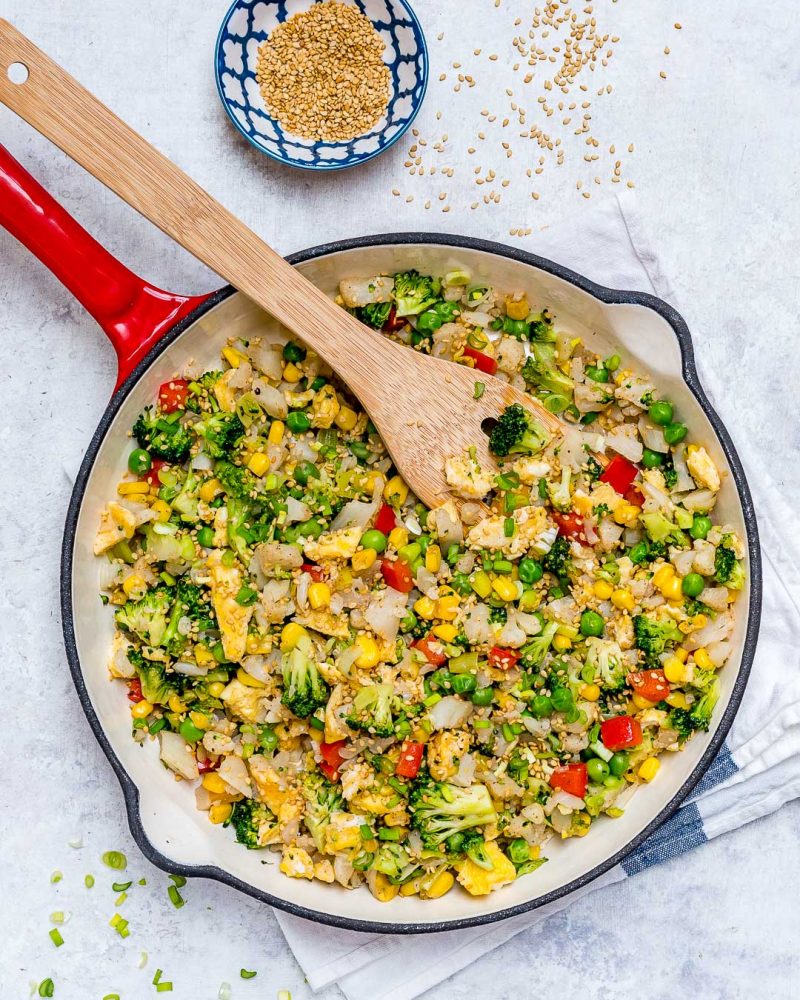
651,338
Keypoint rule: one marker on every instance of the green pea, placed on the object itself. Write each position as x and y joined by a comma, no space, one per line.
562,699
519,851
597,373
189,731
304,471
597,770
318,383
541,706
268,738
652,459
530,571
613,782
460,584
619,763
429,320
592,624
374,539
298,422
638,554
701,525
293,352
464,683
139,461
205,537
693,585
408,622
309,529
483,696
613,362
556,402
660,413
673,433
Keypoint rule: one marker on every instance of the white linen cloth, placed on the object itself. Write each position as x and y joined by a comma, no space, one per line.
758,769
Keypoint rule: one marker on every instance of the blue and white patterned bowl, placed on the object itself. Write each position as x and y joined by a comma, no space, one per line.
245,27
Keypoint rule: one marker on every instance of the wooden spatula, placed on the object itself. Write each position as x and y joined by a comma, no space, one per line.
423,408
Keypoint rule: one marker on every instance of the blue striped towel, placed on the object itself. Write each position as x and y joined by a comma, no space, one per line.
756,772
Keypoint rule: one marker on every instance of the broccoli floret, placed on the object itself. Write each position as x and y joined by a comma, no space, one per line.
652,637
559,495
248,820
727,568
517,433
304,691
219,432
187,500
556,560
372,710
593,468
206,381
323,799
156,687
439,809
240,518
541,371
147,618
414,292
605,657
659,528
195,604
535,650
375,314
541,328
685,721
498,616
163,436
235,480
474,846
670,475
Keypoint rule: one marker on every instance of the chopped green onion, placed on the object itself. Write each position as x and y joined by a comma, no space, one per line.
47,988
120,899
76,843
56,938
59,917
142,881
156,726
179,880
56,876
115,860
120,886
431,700
111,996
480,389
389,833
508,733
508,527
246,596
248,974
456,278
316,723
164,988
175,897
142,960
397,785
365,831
157,977
482,724
224,991
88,881
284,995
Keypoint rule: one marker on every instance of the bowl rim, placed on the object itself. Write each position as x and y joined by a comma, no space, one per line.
602,293
327,167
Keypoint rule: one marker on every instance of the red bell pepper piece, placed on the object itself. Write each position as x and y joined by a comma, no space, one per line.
650,684
619,473
315,572
432,649
410,759
173,394
397,575
570,525
135,691
635,496
621,733
571,778
204,766
386,519
503,659
394,322
151,476
483,362
331,758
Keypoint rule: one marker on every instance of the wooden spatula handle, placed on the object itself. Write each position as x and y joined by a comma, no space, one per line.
55,104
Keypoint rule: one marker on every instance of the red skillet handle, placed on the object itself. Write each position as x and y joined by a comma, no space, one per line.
133,313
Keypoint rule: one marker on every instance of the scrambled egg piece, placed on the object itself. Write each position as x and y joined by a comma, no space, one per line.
324,408
702,469
246,702
117,524
532,530
355,778
335,727
297,863
343,832
323,870
467,478
325,622
444,750
480,882
374,801
226,396
226,582
340,544
530,470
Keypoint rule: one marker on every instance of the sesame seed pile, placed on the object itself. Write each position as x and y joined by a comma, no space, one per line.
322,74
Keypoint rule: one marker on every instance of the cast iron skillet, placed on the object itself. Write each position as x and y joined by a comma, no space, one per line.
142,321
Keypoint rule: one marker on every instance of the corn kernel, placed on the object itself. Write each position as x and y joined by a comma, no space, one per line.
517,308
623,599
671,589
702,659
130,489
232,356
626,514
649,769
561,643
203,656
425,607
213,783
162,510
590,692
369,655
447,607
409,888
216,688
316,735
395,491
419,735
259,463
433,558
442,884
248,680
319,595
200,719
209,489
682,654
364,559
677,699
481,583
119,597
398,537
141,709
275,434
641,703
175,704
134,586
504,588
384,890
603,590
258,645
369,481
446,632
344,578
698,622
220,812
676,671
292,373
346,418
291,634
660,577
